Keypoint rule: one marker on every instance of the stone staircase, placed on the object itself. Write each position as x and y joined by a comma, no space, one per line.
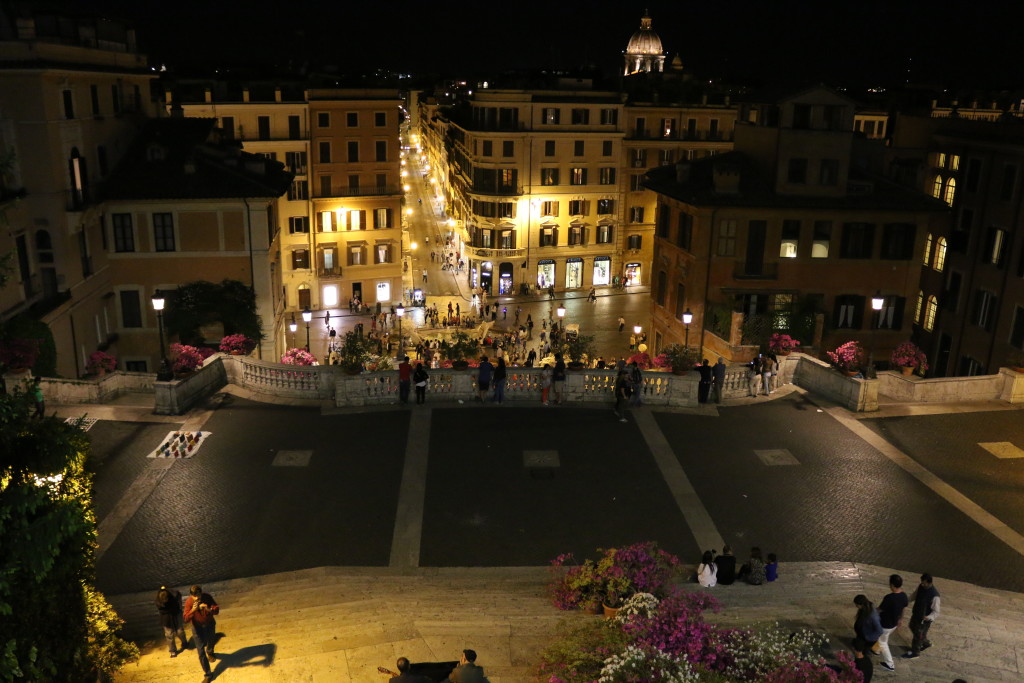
338,624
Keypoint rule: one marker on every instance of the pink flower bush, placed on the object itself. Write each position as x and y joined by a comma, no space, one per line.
100,360
237,344
908,355
298,357
186,358
849,356
782,343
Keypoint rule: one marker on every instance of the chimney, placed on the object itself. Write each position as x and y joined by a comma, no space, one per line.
726,177
207,95
277,93
245,94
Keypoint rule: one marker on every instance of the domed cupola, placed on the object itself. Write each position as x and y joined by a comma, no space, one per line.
643,53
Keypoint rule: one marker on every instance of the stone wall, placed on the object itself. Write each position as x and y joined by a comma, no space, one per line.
859,395
180,395
914,389
59,391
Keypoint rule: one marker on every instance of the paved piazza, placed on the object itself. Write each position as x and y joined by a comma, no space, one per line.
285,488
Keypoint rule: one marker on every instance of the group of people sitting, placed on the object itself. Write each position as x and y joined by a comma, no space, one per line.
721,569
463,671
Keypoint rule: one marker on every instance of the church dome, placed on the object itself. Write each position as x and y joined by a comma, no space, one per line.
645,41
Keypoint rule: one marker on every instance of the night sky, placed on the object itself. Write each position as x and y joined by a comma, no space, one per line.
957,44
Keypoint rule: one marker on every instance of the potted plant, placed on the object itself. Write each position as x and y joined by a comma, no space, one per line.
298,357
908,357
578,587
187,359
100,363
682,359
847,358
782,344
237,345
354,353
17,355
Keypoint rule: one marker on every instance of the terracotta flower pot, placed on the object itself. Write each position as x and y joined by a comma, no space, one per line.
907,370
610,612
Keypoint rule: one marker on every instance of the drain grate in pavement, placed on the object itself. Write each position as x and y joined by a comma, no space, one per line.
777,456
292,458
1002,449
541,464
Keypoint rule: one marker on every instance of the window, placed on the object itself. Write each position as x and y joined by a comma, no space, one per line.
609,117
666,156
353,183
995,246
937,187
577,207
802,116
352,119
324,149
950,191
607,175
381,180
634,242
380,149
357,219
1009,181
849,311
684,231
131,308
636,214
930,311
356,256
294,129
549,209
323,119
605,206
891,315
507,239
296,162
1017,332
382,252
508,148
797,173
298,190
940,254
640,129
927,249
952,293
604,234
549,148
680,301
606,148
69,104
380,119
578,148
920,306
726,238
984,309
898,241
548,237
325,186
353,151
575,235
636,183
973,174
857,241
580,117
668,128
550,116
507,179
577,176
115,97
638,158
94,96
790,244
506,210
263,127
298,224
163,232
662,218
124,235
549,176
227,124
829,172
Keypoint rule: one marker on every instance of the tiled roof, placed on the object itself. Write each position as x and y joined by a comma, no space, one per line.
183,158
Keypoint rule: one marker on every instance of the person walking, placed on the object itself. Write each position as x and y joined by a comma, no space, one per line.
500,376
483,378
890,615
927,603
168,606
636,384
767,369
558,378
546,374
404,379
40,400
754,378
622,323
866,626
718,375
622,391
419,378
592,296
200,611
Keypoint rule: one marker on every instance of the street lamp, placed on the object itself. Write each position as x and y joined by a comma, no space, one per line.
164,374
292,327
561,315
637,329
307,315
687,319
877,301
400,312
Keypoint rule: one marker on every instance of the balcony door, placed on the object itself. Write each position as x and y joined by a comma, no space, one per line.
755,248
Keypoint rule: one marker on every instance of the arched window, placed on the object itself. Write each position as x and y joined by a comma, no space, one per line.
930,312
950,191
940,254
928,249
43,240
937,187
920,305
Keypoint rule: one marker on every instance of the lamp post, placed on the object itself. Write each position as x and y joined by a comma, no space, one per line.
400,312
561,316
877,301
687,319
164,374
307,315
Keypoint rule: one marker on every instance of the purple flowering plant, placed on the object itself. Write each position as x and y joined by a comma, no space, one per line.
848,356
782,343
186,358
237,344
908,355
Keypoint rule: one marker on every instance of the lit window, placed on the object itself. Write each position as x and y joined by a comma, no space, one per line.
940,254
937,187
920,305
930,312
954,162
941,161
950,191
927,249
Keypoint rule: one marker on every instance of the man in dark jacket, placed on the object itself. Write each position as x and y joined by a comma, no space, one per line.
168,605
200,610
467,671
925,611
719,375
706,377
726,565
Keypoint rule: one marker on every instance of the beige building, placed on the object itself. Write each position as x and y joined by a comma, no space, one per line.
70,105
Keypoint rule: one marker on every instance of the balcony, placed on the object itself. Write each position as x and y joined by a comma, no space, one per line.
362,191
329,272
755,271
500,191
484,252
